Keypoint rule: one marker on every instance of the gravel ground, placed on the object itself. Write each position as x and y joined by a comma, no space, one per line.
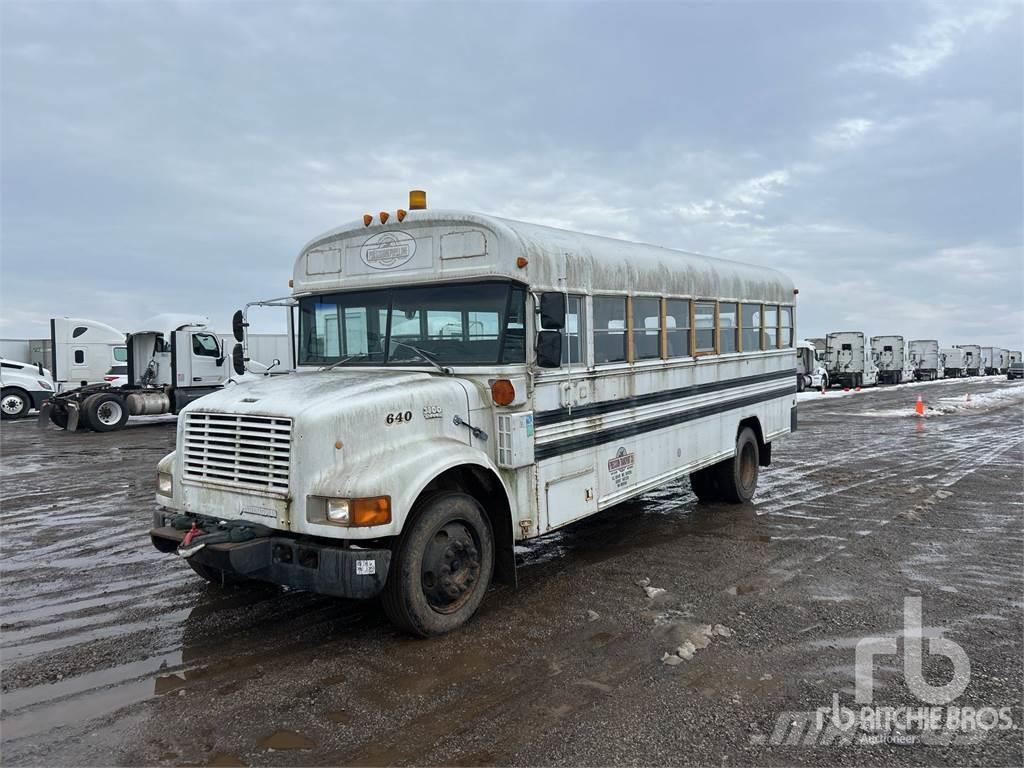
116,655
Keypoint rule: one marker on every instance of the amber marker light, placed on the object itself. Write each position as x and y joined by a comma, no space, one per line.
375,510
417,200
367,219
502,392
401,214
384,216
522,261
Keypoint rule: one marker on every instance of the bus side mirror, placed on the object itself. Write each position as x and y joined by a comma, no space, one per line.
237,361
552,311
549,349
237,325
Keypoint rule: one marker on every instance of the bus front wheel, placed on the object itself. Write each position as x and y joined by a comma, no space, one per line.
737,477
442,566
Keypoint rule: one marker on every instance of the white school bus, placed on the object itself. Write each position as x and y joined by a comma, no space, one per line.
463,382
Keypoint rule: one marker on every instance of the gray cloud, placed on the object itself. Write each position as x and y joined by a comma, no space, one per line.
175,157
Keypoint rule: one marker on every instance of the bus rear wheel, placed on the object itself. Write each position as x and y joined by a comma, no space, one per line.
704,484
441,567
737,477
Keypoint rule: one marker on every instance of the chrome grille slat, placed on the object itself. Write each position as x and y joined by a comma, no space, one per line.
241,451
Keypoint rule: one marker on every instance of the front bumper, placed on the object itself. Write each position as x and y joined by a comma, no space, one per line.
299,563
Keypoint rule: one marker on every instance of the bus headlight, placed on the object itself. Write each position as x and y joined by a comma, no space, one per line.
375,510
165,483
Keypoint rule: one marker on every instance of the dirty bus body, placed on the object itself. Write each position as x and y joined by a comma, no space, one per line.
972,358
888,352
924,359
464,382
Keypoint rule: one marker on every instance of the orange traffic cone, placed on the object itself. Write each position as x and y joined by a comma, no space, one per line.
919,406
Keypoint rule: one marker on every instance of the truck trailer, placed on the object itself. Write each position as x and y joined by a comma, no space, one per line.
991,360
848,359
972,358
889,355
952,362
171,362
925,361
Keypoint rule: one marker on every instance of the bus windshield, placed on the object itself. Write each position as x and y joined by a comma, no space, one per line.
479,323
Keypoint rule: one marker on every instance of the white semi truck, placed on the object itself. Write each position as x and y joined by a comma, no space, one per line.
171,362
84,352
925,361
23,386
972,359
992,360
848,360
953,365
810,367
889,353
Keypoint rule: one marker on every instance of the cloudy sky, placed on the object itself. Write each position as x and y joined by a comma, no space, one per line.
175,156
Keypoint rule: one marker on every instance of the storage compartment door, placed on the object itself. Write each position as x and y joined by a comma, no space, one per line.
571,497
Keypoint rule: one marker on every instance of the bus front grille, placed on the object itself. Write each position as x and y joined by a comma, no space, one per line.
247,452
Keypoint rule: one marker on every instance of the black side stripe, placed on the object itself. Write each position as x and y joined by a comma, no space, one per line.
614,434
558,415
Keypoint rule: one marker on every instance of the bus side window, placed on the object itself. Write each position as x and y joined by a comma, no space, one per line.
646,328
751,320
609,329
771,323
677,327
572,349
704,321
786,323
727,327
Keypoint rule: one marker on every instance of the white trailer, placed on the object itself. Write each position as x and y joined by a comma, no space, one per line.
848,360
23,386
464,382
170,362
1004,359
924,359
991,360
889,353
953,365
810,367
972,359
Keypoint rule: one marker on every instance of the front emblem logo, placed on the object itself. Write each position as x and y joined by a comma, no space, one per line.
388,250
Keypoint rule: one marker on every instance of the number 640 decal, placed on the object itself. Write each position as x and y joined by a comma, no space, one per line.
399,417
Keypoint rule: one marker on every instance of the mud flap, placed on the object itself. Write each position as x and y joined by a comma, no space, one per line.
73,414
44,414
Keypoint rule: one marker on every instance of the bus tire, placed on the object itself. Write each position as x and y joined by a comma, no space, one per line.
441,567
105,412
704,484
800,385
14,403
737,477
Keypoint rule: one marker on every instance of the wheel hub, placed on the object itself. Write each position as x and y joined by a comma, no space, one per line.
12,404
450,567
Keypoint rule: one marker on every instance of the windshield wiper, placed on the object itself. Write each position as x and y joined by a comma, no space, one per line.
428,356
336,363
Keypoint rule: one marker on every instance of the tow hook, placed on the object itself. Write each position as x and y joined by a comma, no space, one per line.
225,531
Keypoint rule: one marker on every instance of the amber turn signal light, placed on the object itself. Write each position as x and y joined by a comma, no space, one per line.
401,214
375,510
502,392
384,216
417,200
522,261
367,219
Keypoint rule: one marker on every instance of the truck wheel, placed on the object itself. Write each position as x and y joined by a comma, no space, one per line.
216,576
704,484
800,385
14,403
442,566
59,416
105,412
737,477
